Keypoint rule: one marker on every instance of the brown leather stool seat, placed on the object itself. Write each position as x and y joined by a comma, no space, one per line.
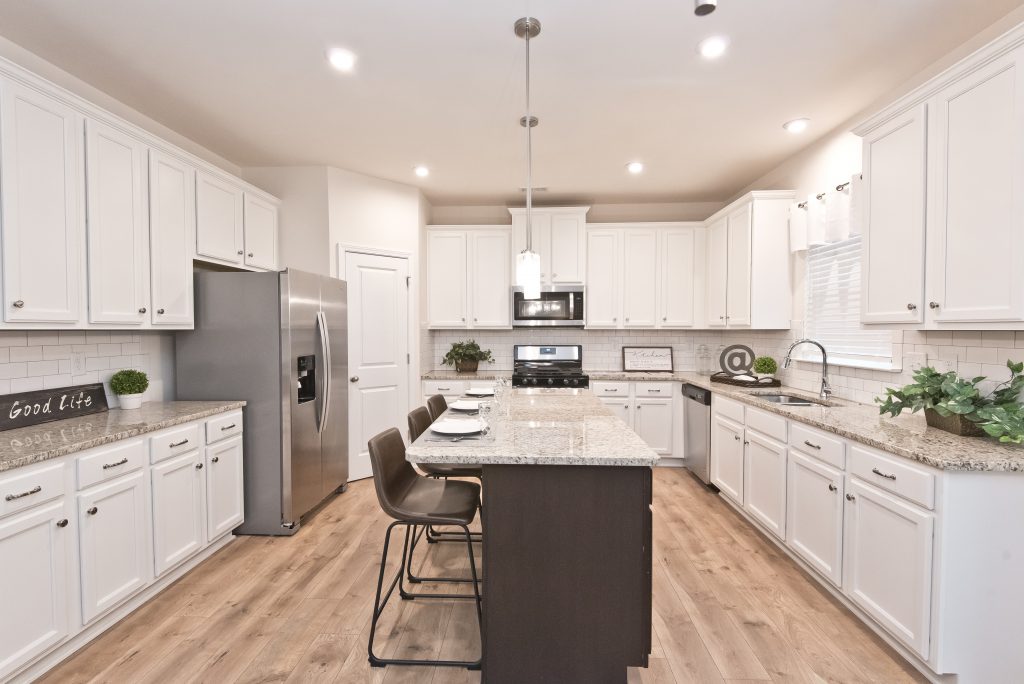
437,405
419,422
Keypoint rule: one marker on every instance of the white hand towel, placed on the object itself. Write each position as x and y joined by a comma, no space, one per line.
856,200
837,213
797,228
816,221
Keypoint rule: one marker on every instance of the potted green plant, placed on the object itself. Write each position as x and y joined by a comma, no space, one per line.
129,386
957,405
765,367
466,356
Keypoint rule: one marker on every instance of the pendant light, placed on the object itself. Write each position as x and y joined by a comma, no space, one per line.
528,261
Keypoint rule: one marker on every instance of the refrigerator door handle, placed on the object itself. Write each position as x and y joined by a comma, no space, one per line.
325,351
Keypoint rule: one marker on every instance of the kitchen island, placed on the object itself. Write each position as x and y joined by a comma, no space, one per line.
567,537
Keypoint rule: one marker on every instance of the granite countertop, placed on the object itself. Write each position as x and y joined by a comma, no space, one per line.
543,427
33,444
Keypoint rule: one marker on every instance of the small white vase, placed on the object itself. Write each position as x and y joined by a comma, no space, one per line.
130,401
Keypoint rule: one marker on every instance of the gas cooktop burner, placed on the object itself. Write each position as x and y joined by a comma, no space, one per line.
549,366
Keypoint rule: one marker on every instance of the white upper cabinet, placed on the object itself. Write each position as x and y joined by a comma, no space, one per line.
976,187
219,218
490,278
469,277
559,237
118,230
640,278
717,272
41,185
260,232
172,229
738,270
447,278
894,208
679,277
604,268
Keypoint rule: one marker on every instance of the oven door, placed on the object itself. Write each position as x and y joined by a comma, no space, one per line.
556,307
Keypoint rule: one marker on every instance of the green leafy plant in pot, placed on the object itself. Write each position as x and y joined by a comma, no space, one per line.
765,367
466,356
957,405
129,386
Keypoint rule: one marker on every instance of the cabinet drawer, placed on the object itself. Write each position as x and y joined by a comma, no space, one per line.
610,389
175,441
893,474
654,389
450,387
820,445
110,462
768,424
727,407
222,427
26,489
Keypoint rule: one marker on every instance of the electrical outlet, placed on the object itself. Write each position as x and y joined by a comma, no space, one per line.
78,362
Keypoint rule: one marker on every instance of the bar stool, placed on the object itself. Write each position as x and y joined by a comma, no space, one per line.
413,500
437,405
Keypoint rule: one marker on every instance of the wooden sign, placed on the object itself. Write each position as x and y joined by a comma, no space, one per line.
42,406
647,359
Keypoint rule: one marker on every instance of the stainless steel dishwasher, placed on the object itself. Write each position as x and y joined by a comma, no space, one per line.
697,431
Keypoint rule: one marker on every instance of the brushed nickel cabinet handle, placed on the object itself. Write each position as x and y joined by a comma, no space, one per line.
108,466
812,445
22,495
887,476
611,389
228,427
93,511
178,444
18,304
63,522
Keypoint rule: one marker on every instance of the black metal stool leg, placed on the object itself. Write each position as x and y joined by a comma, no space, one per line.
417,535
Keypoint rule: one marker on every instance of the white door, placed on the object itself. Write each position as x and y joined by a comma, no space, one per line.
653,421
717,273
116,196
172,239
892,270
378,351
447,279
34,580
604,278
568,264
976,185
640,278
677,267
178,530
219,218
620,408
738,288
814,514
727,456
113,541
260,233
888,562
42,215
225,503
490,279
764,487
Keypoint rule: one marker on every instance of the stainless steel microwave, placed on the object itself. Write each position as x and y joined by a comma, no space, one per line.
558,305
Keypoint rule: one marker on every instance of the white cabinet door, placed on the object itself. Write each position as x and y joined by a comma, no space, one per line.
42,218
604,278
976,188
814,514
888,562
219,218
640,278
447,279
114,543
620,407
653,421
34,580
224,498
717,273
765,482
178,530
490,275
677,288
260,233
568,245
541,244
172,239
727,456
892,271
116,196
737,308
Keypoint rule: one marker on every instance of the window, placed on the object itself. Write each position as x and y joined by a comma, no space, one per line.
833,309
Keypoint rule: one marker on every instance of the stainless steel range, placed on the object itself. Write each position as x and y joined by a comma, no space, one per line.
557,365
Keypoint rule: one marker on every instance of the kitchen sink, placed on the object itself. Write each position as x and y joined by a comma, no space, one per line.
787,400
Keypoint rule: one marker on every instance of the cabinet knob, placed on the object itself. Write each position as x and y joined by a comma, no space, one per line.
160,311
475,319
93,511
142,309
614,319
832,487
463,319
736,437
911,307
851,497
355,378
721,318
625,406
933,305
639,407
20,303
554,275
215,459
627,319
199,466
62,522
664,318
249,255
240,252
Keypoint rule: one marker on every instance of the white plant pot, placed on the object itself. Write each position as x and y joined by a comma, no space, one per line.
129,401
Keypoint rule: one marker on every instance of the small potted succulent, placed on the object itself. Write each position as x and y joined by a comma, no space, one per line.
129,386
765,367
466,356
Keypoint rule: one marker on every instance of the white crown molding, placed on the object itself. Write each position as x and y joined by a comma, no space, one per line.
518,211
788,195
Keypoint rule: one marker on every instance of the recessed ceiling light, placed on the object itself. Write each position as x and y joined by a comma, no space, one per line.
635,167
797,125
421,171
341,59
713,47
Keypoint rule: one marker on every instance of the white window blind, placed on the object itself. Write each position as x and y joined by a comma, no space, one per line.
833,308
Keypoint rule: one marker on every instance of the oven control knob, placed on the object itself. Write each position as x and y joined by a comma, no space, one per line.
551,381
566,381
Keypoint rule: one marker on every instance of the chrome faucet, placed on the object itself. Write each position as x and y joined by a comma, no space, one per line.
826,389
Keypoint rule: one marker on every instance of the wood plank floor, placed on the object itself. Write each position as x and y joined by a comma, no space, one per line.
728,606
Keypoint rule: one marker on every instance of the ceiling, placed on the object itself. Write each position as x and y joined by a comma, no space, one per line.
441,83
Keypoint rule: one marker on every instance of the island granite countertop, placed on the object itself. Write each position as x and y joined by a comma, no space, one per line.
36,443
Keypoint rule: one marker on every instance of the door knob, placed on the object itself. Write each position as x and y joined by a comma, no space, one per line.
354,378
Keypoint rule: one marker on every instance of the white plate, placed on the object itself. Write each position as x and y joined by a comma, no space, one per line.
464,405
457,427
480,391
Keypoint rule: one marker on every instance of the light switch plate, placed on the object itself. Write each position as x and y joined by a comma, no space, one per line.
78,363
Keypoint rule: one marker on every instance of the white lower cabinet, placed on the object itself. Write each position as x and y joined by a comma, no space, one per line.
727,456
764,486
814,514
649,408
113,532
224,493
178,529
652,420
620,408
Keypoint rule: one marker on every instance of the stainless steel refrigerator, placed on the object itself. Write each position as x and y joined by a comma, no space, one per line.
280,342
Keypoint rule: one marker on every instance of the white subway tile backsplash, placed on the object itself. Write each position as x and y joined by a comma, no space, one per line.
34,353
981,355
26,384
41,368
